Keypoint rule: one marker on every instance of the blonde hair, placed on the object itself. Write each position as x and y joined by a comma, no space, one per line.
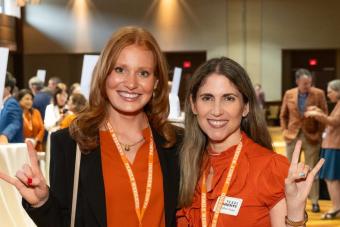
85,128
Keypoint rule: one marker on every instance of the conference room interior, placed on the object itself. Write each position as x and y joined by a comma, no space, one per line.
271,39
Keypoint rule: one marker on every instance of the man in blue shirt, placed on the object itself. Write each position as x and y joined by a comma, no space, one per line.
10,115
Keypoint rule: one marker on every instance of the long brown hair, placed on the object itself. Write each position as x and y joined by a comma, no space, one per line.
195,141
85,128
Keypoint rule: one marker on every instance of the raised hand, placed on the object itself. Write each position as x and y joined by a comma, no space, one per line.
299,182
30,181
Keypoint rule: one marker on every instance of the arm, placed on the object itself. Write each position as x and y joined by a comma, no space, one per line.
40,136
284,113
50,117
56,211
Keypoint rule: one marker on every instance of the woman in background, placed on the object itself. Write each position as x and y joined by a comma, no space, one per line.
76,103
55,111
33,126
330,147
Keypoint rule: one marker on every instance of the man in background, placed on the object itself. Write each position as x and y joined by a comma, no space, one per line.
297,127
11,115
42,96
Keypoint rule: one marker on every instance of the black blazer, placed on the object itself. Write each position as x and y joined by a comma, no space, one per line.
91,209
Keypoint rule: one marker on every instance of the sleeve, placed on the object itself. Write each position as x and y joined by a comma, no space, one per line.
272,180
40,125
284,113
50,117
14,119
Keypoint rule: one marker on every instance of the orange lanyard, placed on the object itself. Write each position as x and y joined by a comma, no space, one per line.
139,212
224,192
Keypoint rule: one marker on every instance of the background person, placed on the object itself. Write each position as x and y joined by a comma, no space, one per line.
33,126
296,126
55,111
76,103
330,148
10,115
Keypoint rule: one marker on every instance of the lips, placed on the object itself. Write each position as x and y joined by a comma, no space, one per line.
217,123
128,95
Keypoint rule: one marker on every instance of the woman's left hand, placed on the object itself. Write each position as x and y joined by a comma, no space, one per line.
298,183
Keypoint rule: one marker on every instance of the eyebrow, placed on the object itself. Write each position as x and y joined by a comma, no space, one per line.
224,95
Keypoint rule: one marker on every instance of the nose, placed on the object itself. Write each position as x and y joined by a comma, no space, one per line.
217,109
131,81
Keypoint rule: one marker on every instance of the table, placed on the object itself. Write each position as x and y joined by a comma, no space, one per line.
12,157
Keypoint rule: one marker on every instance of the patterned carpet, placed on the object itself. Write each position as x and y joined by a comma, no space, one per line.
325,205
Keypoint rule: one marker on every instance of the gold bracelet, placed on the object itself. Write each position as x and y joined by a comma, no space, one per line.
297,223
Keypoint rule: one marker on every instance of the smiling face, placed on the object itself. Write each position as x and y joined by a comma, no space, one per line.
26,102
129,87
219,108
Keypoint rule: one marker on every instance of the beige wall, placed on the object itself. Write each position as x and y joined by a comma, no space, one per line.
54,26
253,32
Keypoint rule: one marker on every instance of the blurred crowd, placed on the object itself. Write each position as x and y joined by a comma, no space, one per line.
31,113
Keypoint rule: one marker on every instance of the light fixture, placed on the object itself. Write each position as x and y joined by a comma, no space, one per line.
22,3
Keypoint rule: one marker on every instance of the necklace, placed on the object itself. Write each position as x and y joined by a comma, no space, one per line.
127,147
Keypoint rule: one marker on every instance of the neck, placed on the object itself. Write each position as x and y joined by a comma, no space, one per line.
123,124
232,140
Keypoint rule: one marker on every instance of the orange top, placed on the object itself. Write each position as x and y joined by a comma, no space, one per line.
33,127
258,180
65,123
120,205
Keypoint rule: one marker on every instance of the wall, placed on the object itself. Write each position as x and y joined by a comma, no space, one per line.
253,32
303,24
59,26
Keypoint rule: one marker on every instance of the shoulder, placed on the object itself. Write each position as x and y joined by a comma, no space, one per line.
317,91
291,91
264,157
12,102
62,136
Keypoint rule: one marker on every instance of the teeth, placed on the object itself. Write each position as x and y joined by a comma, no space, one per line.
217,123
128,95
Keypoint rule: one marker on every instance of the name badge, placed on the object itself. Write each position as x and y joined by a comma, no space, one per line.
230,205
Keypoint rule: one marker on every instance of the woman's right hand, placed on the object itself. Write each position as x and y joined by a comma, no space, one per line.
30,181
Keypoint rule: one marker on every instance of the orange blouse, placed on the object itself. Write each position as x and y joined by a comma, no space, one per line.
258,180
120,206
33,127
66,122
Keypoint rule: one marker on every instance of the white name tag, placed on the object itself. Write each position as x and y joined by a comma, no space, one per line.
230,205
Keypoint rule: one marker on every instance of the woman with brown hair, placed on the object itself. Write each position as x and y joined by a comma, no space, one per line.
55,111
33,126
76,103
129,171
229,174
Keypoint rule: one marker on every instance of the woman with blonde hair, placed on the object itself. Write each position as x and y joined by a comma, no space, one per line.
128,171
229,174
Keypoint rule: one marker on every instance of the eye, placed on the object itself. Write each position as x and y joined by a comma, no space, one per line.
229,98
144,73
118,69
207,98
